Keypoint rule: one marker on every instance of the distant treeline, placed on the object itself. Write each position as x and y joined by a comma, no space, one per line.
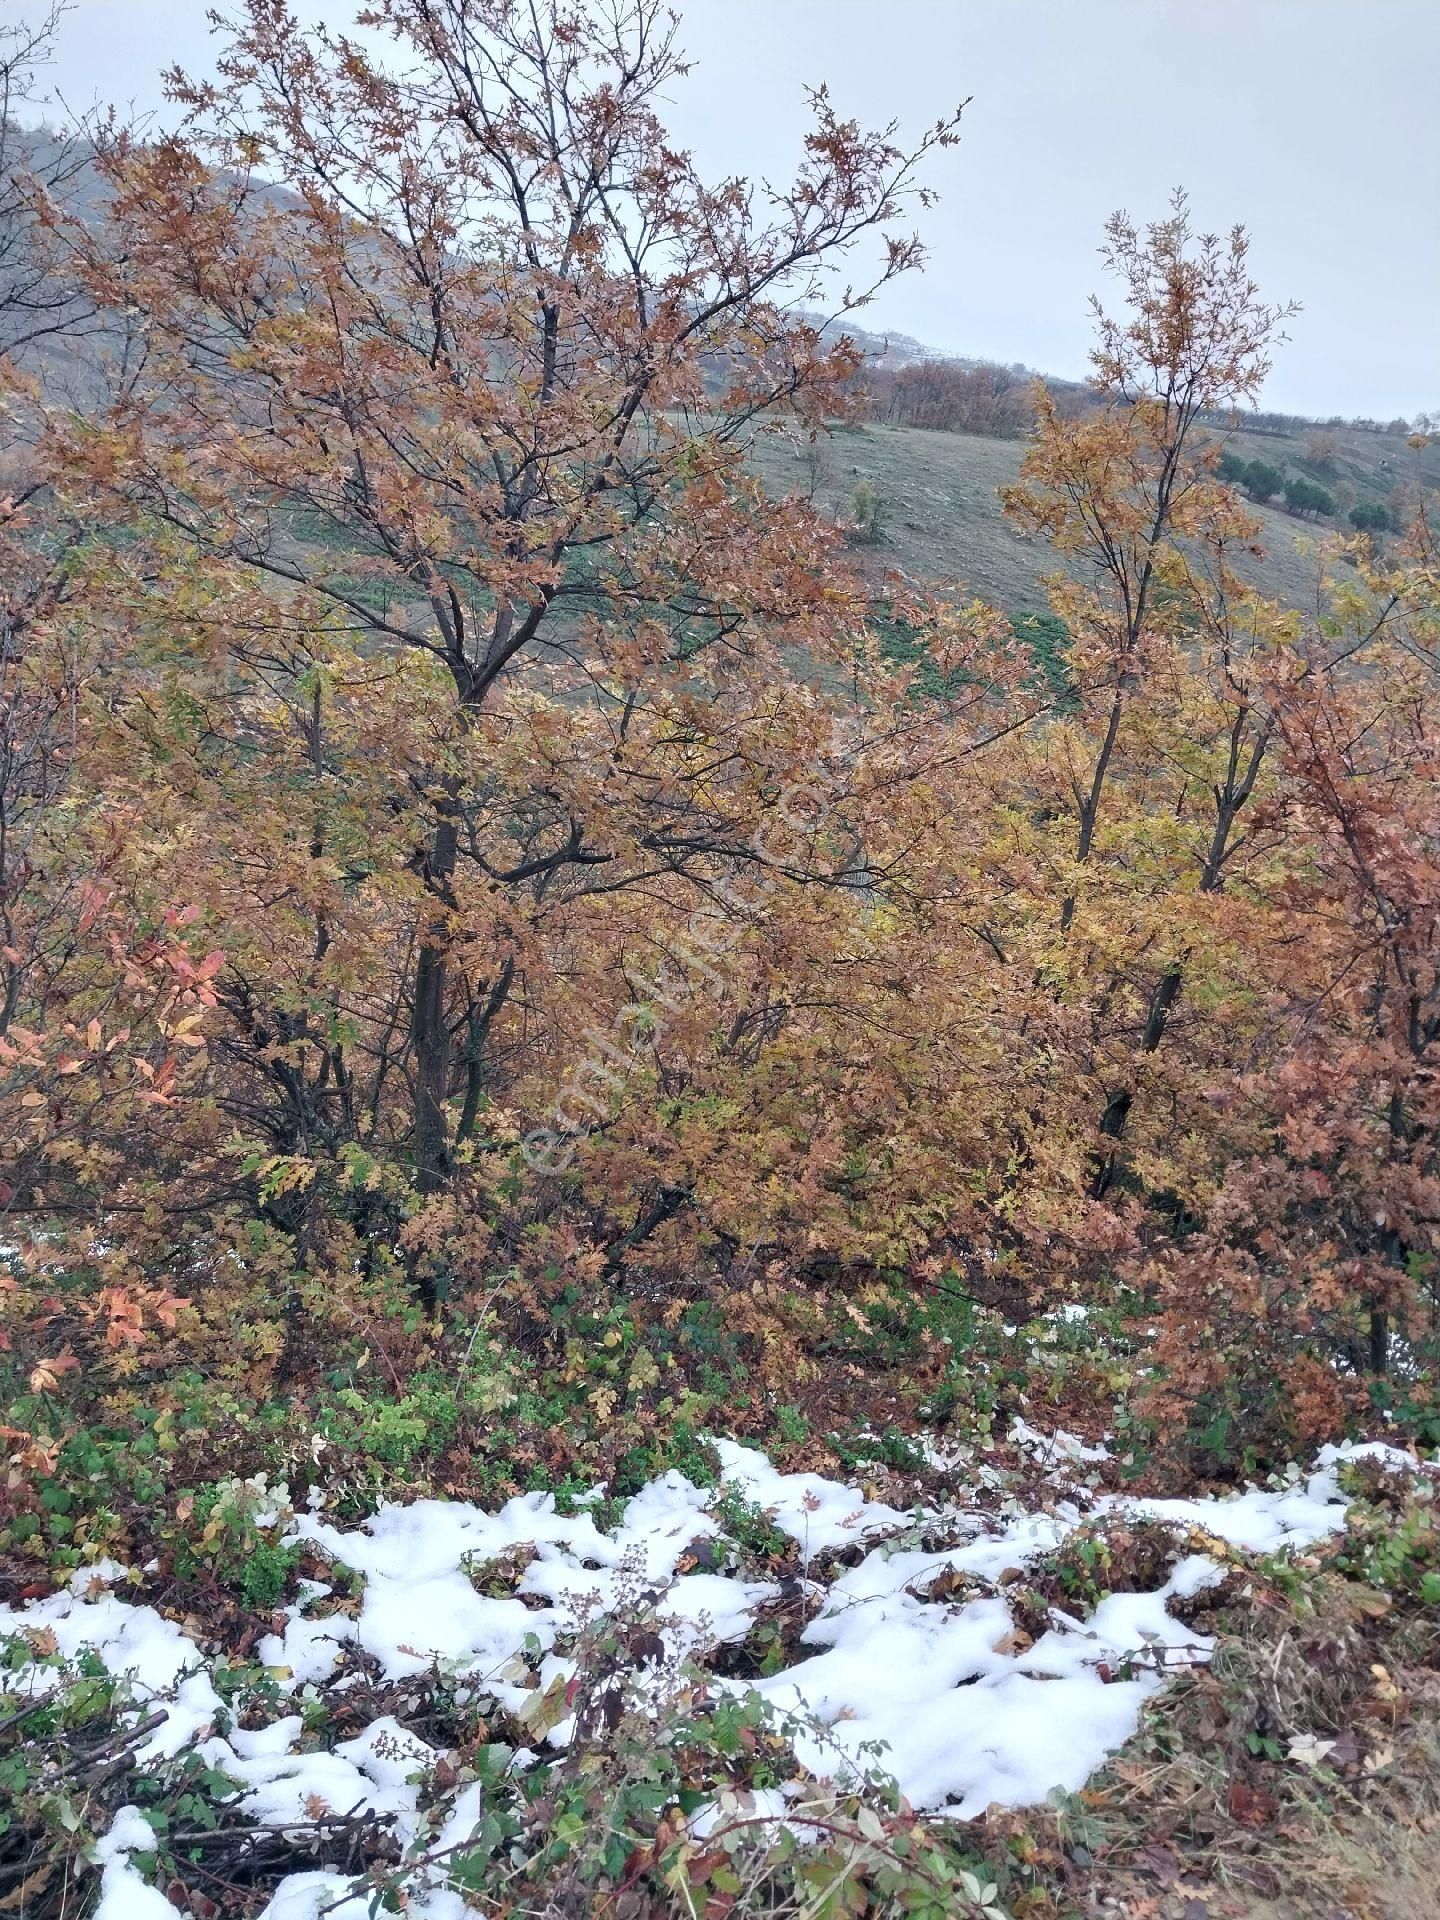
1289,424
959,396
954,396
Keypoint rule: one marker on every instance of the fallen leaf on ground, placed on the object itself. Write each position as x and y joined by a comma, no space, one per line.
1251,1806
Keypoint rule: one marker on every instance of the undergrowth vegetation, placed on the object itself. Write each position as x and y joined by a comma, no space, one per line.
604,1830
1314,1714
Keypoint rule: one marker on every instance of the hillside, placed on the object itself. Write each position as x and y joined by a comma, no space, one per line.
941,518
938,518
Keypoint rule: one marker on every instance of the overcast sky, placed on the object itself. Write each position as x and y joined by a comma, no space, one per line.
1311,121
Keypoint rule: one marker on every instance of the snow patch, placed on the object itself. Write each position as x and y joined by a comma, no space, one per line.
941,1691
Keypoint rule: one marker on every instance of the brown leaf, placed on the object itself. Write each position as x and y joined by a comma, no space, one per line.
1161,1862
1251,1806
646,1648
17,1897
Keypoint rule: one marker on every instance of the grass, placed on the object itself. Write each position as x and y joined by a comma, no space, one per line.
940,518
1294,1778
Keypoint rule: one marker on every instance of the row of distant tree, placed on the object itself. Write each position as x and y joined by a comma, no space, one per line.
951,396
956,396
1293,423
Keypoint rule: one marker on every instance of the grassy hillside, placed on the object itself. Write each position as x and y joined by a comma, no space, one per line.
941,518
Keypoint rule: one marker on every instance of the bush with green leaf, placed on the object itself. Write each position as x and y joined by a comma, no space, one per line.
1303,496
1262,481
1373,516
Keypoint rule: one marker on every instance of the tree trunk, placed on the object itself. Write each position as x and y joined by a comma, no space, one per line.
1379,1341
429,1030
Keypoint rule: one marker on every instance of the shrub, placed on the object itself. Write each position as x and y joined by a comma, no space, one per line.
1319,452
1398,1552
872,510
1373,516
1303,496
1262,481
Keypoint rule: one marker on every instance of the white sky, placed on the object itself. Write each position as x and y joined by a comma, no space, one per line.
1311,121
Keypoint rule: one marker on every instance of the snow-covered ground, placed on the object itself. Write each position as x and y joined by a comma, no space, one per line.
968,1712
